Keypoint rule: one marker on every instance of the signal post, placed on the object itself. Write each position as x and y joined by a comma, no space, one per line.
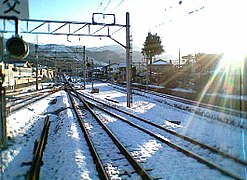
3,133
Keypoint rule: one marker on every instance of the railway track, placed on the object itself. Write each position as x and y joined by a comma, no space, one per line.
212,157
36,164
190,102
194,103
194,106
112,159
15,103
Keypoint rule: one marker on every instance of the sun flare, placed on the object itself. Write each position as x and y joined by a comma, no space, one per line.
233,59
226,78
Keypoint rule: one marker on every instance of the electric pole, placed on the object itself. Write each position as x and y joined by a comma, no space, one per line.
36,57
128,62
84,66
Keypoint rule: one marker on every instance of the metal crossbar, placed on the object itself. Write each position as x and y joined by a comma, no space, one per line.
34,26
58,28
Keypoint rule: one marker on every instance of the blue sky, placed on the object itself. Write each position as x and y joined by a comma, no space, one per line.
191,25
62,9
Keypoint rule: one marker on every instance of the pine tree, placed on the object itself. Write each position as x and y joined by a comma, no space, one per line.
152,47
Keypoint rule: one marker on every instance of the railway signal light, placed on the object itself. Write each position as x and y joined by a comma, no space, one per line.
88,64
17,47
2,76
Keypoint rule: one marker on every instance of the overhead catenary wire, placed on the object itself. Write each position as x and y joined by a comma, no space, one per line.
188,12
103,9
106,6
119,4
117,31
100,5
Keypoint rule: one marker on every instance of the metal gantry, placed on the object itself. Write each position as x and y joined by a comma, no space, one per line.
73,28
65,28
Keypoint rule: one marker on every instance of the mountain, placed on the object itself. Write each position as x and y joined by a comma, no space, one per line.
101,55
105,56
113,53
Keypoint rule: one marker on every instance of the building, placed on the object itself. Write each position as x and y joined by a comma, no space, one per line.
160,70
20,73
111,71
98,72
122,72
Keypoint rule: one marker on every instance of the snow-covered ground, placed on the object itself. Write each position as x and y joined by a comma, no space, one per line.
228,138
67,155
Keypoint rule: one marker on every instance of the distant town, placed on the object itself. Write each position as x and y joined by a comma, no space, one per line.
190,71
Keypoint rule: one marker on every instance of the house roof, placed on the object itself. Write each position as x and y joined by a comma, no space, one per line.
110,65
17,61
161,62
122,65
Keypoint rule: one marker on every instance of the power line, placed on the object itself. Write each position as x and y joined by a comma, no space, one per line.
188,12
117,31
103,9
100,5
106,6
117,6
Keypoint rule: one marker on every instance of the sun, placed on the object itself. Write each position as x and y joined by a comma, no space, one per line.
227,76
233,59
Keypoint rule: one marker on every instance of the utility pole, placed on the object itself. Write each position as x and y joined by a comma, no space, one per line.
84,66
3,127
92,66
179,58
145,57
108,71
128,62
70,71
56,71
36,57
3,122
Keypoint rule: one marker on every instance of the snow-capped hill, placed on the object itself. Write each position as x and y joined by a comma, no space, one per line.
101,55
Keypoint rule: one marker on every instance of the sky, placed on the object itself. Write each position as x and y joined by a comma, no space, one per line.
189,25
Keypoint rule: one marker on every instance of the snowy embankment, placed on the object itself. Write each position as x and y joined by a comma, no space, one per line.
205,128
67,156
213,115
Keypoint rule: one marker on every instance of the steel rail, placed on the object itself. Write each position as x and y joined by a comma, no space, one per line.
197,104
24,99
14,109
39,150
214,150
191,102
99,165
173,145
142,172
